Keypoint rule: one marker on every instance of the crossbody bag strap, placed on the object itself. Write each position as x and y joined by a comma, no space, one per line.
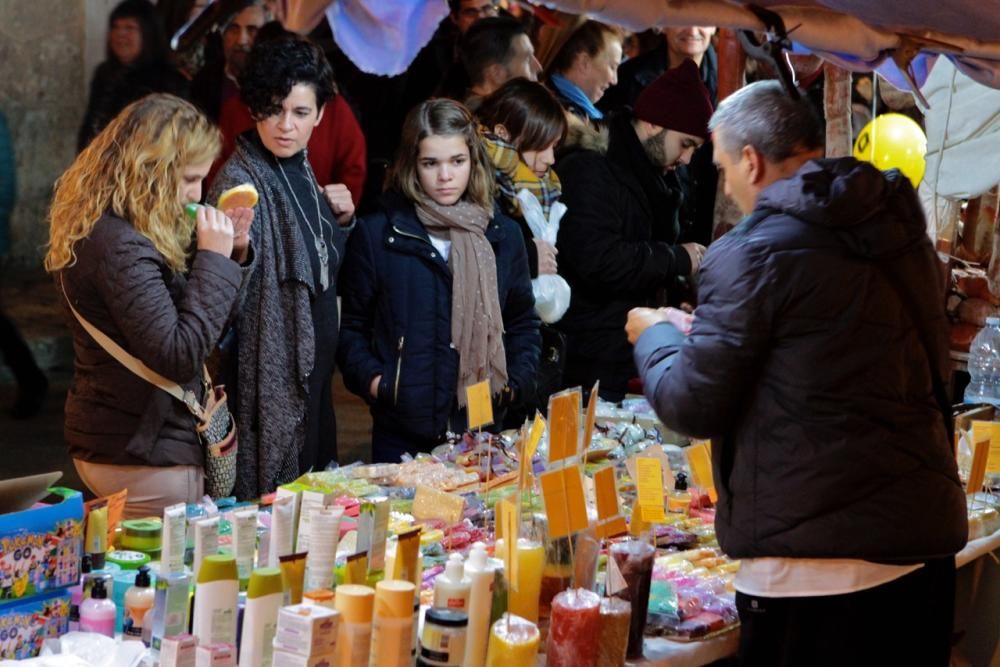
185,396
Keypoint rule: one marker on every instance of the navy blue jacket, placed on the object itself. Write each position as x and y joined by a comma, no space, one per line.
397,319
806,368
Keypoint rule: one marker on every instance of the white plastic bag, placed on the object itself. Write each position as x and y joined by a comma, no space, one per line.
552,293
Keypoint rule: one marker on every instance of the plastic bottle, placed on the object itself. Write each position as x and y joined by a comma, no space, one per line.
679,500
97,613
481,575
392,625
260,618
215,600
76,595
451,588
984,365
138,602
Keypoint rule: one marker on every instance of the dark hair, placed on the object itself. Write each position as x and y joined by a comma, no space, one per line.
529,112
442,117
589,38
154,41
276,65
488,42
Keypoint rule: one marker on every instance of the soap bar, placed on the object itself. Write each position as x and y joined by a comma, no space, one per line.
575,629
615,616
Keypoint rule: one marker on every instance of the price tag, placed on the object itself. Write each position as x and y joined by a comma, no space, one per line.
480,404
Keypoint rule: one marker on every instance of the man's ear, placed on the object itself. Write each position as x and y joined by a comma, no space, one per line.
756,166
319,114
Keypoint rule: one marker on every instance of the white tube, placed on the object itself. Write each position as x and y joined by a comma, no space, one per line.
282,524
324,534
206,541
244,540
174,527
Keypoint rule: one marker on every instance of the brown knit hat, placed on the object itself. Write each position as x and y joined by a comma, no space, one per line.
677,100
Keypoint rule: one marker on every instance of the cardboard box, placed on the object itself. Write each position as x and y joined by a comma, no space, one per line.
25,624
41,548
306,630
178,651
286,659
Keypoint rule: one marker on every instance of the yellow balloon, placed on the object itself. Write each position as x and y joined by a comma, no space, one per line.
894,141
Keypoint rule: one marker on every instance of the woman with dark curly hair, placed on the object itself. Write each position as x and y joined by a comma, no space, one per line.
288,323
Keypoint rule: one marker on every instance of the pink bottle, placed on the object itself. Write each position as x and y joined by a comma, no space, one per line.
97,613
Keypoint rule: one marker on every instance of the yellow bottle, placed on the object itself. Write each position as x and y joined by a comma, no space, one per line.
531,562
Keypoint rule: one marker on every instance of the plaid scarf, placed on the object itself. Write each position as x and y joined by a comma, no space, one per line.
513,175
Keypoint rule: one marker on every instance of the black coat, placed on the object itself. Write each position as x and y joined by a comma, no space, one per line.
615,251
397,320
698,180
171,322
806,369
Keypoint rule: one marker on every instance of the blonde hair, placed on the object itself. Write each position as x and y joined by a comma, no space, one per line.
442,117
132,169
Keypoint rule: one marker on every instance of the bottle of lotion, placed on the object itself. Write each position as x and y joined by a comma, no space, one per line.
481,575
76,595
97,613
451,588
138,602
260,617
215,600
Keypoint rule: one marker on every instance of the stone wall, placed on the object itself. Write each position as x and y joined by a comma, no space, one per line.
48,49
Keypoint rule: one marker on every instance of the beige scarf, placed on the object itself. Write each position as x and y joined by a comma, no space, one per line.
476,319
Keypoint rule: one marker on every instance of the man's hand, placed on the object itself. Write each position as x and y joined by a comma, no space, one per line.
341,202
640,319
242,219
373,387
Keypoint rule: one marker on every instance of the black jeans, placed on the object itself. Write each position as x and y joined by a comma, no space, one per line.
907,621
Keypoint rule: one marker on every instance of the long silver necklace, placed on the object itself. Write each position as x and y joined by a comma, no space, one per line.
319,241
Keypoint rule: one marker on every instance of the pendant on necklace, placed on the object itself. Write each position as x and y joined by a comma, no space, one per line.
324,263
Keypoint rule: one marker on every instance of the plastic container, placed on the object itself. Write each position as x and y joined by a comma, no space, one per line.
513,641
76,595
260,617
575,630
482,574
392,627
984,365
215,600
442,642
97,613
451,587
143,535
354,635
138,603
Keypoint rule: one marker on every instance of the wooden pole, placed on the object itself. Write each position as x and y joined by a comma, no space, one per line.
732,64
837,110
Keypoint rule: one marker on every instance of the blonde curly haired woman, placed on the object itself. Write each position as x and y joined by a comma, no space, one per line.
120,251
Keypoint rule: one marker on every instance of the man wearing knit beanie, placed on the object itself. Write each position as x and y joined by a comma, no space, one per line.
618,240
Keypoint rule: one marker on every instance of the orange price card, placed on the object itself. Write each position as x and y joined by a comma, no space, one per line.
699,458
480,405
565,505
564,425
977,474
649,487
610,522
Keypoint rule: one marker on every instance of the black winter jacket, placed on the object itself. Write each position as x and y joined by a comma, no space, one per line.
618,205
397,319
808,372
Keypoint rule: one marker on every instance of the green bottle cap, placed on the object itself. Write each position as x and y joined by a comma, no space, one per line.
265,581
191,210
218,568
128,560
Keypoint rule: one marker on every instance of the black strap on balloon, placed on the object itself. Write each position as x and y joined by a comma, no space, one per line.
772,49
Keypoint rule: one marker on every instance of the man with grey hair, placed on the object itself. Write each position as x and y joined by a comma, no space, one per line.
815,361
218,82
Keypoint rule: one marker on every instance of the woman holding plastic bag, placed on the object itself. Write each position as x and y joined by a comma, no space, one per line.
522,125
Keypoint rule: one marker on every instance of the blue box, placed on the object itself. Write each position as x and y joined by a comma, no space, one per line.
25,624
41,548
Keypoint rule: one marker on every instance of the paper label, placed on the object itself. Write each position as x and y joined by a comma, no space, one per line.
507,527
649,485
699,458
615,582
480,405
562,491
564,425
